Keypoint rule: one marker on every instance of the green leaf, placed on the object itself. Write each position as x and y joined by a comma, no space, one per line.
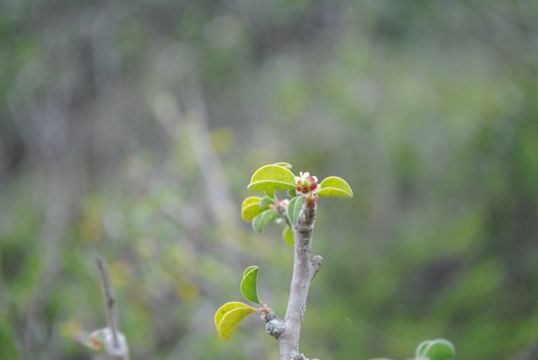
287,236
261,221
229,315
294,208
438,349
249,284
334,186
272,177
250,208
266,201
283,164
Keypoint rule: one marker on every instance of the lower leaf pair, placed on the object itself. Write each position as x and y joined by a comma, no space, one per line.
229,315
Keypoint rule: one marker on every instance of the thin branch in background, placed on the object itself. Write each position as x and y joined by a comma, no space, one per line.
108,343
193,118
109,301
197,120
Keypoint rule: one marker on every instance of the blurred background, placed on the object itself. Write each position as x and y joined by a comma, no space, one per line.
130,129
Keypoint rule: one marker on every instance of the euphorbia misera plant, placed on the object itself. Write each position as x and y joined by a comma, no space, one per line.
292,199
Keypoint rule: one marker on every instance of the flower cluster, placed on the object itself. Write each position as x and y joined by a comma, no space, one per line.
306,184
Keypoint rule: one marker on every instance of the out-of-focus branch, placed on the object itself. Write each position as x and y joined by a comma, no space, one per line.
109,300
215,181
192,117
109,341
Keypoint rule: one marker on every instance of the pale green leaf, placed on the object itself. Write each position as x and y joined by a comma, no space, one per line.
272,177
287,236
249,284
334,186
229,320
250,208
294,208
261,221
226,308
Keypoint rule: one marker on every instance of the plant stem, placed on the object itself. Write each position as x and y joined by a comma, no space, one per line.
304,269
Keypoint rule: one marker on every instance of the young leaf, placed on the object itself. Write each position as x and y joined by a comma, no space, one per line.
438,349
287,236
230,319
272,177
250,208
294,208
335,186
261,221
232,305
249,284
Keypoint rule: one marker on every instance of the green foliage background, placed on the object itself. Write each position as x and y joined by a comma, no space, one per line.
130,130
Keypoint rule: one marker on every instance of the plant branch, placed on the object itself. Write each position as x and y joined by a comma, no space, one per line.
305,268
109,301
114,342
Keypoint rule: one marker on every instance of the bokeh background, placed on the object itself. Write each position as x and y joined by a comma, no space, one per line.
129,129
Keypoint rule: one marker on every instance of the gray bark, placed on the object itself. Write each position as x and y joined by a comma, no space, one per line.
305,268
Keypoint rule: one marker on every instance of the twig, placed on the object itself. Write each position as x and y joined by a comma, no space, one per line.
109,301
109,339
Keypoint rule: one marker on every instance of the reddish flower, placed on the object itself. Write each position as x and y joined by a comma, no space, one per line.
306,184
